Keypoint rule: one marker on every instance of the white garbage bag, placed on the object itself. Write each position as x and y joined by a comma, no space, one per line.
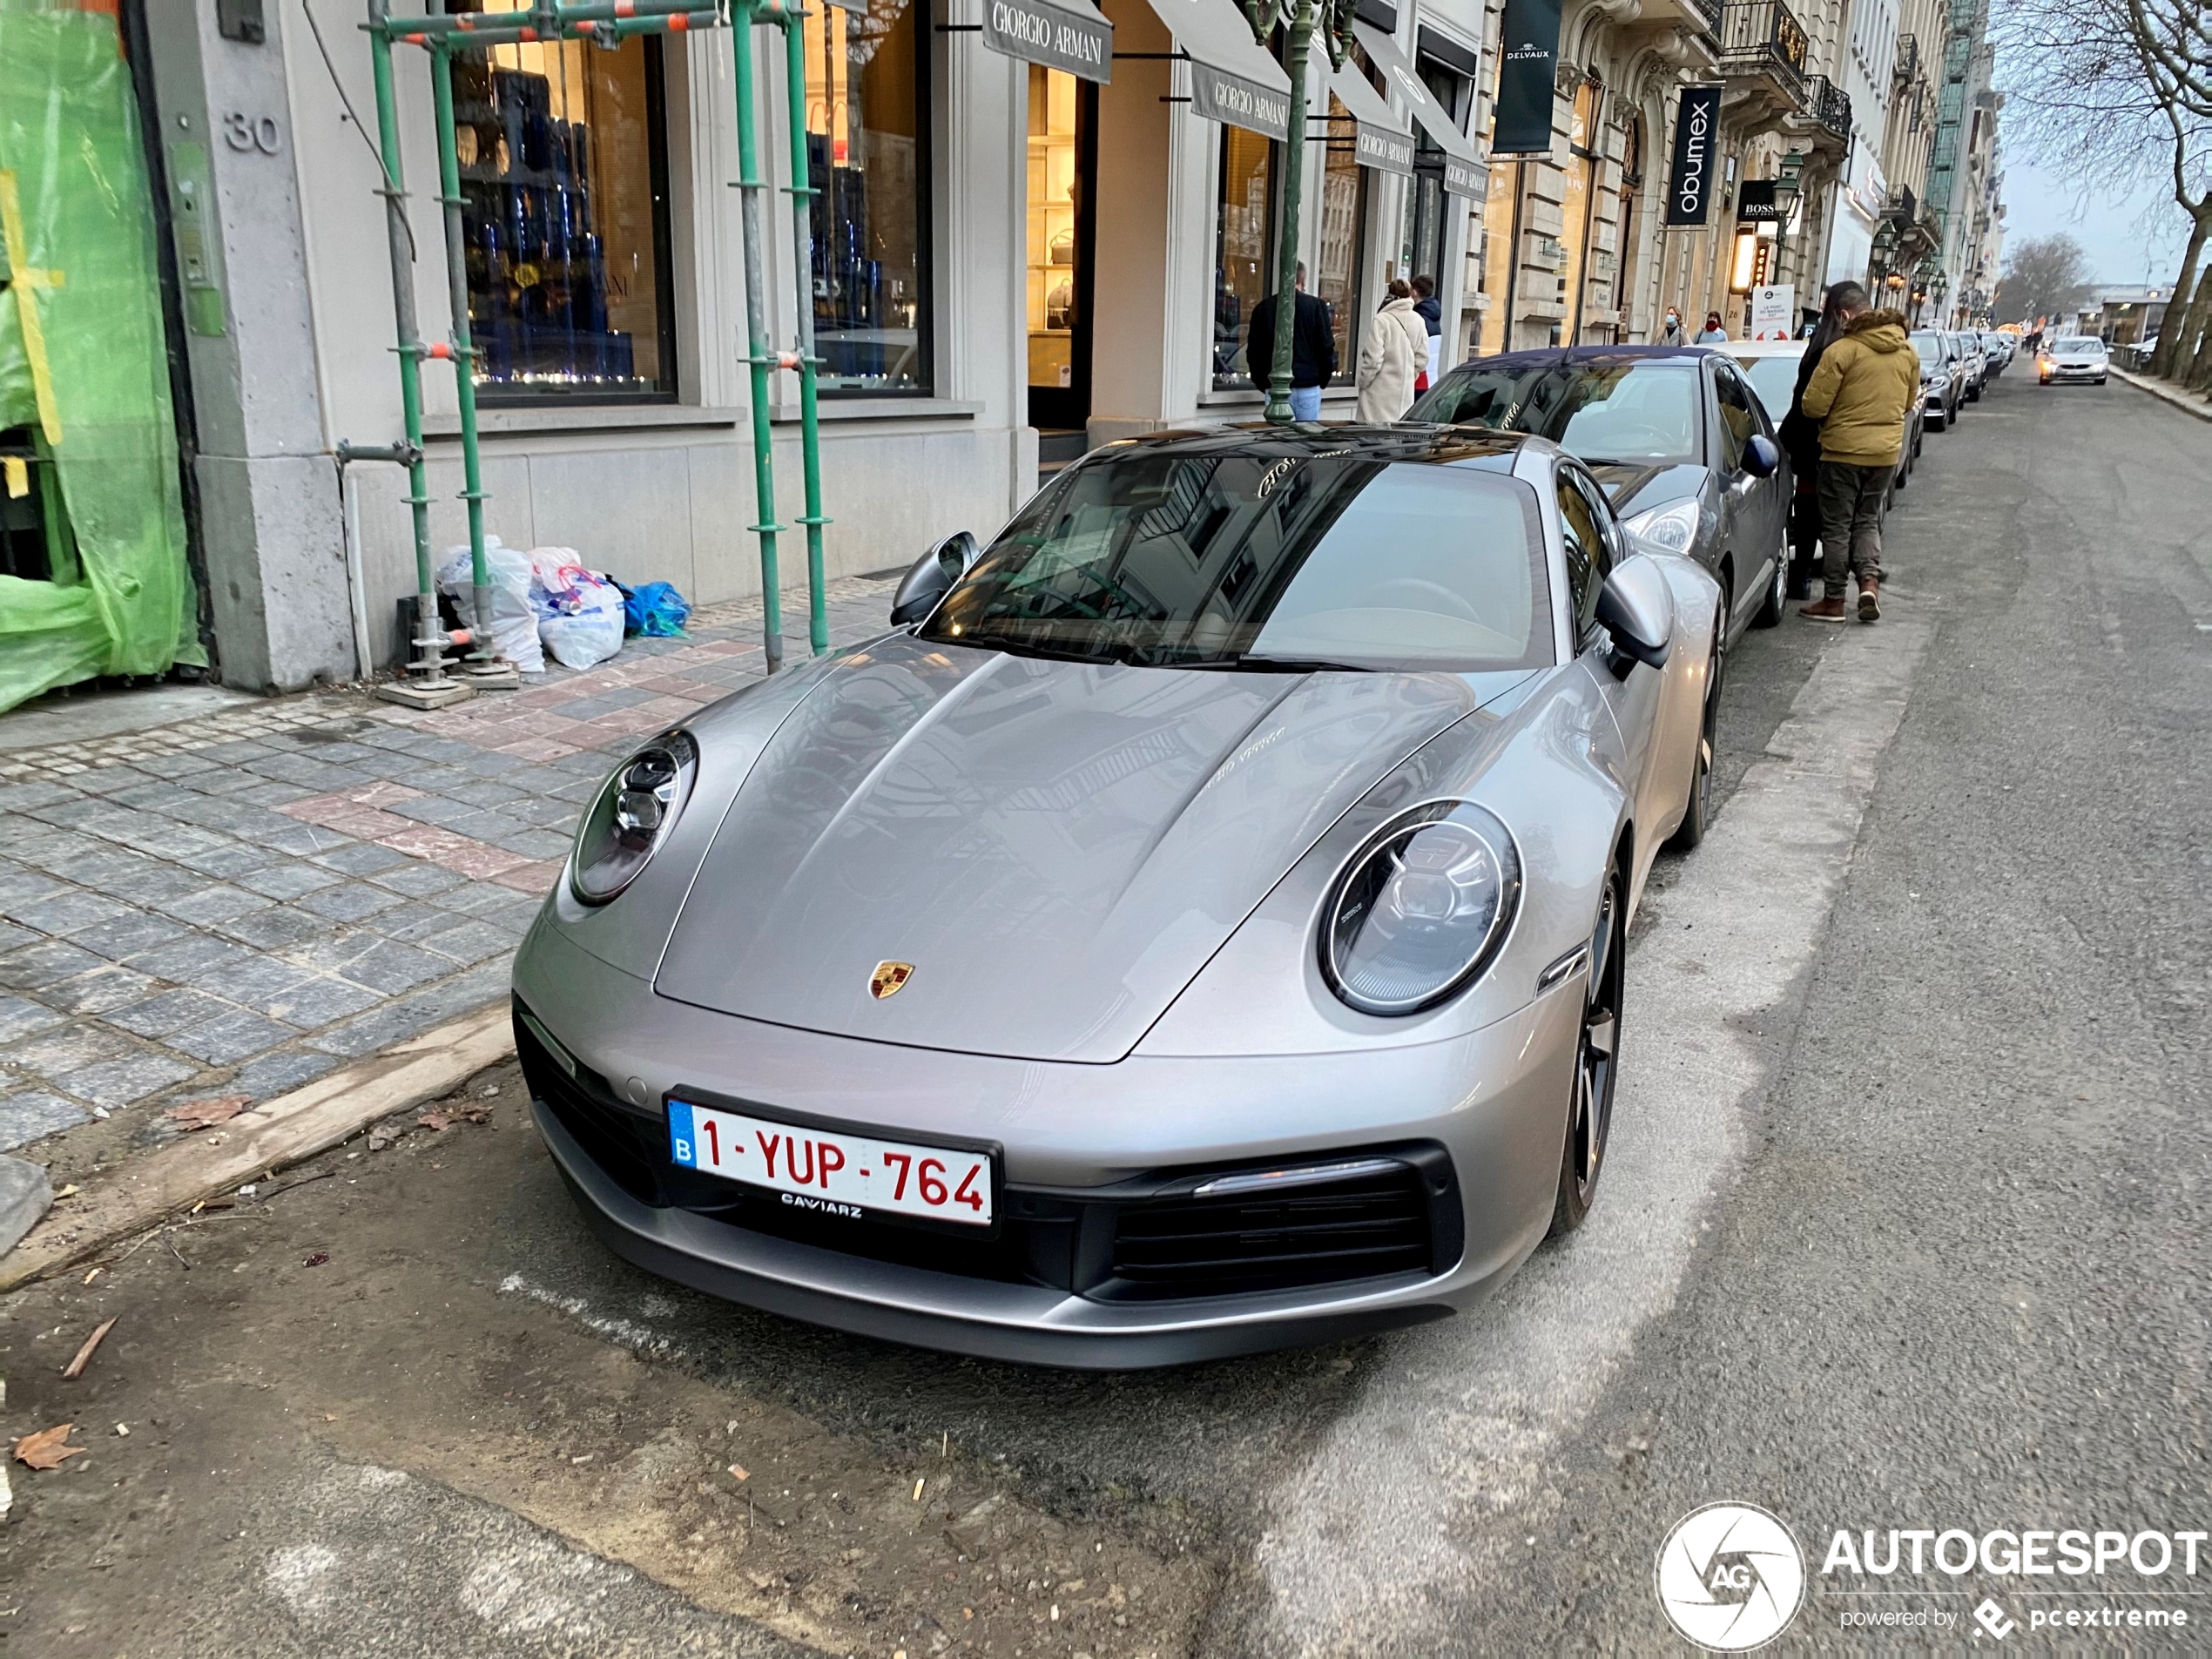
514,622
579,613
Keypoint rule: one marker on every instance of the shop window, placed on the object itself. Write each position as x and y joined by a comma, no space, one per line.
1579,204
1500,225
1055,252
1243,248
564,186
1344,223
868,153
1420,249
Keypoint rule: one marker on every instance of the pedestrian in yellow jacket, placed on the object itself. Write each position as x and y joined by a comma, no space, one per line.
1861,394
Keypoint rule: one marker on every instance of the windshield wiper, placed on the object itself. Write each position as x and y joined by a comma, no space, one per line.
1296,665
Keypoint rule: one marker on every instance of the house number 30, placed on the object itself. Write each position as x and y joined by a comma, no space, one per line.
244,132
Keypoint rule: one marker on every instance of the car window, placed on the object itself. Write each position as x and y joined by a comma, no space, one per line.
1583,530
1255,561
1601,408
1775,379
1738,422
2077,343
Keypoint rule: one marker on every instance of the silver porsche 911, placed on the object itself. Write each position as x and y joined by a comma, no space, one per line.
1196,928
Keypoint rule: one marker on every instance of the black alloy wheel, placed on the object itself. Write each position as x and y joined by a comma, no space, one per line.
1777,594
1590,1113
1698,813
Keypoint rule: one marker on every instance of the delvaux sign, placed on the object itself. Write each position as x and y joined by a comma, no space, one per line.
1689,185
1527,58
1038,33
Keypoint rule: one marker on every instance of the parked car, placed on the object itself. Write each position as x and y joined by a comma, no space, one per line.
1943,386
1683,444
1771,367
2074,357
1997,349
1196,928
1975,363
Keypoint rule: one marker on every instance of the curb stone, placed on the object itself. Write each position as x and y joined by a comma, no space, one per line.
270,1136
25,1195
2165,393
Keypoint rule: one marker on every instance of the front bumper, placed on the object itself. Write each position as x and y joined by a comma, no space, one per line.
1480,1117
2051,376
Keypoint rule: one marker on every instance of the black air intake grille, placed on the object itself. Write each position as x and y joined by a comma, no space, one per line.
1363,1227
618,1140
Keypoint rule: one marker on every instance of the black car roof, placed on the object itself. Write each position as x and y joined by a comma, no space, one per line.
1553,356
1478,446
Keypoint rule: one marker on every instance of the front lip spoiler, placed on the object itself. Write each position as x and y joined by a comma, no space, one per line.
1030,1328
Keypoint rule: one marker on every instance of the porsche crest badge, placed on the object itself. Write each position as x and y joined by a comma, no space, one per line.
889,979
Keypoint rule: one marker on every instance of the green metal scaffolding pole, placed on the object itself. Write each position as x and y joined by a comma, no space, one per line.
430,639
442,34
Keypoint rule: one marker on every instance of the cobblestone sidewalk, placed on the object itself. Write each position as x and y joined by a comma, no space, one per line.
239,903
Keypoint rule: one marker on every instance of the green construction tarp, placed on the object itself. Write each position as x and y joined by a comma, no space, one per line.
86,260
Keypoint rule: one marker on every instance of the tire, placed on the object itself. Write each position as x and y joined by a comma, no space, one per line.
2100,380
1698,813
1777,591
1589,1102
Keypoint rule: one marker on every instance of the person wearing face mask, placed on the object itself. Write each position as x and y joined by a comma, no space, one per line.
1712,333
1670,332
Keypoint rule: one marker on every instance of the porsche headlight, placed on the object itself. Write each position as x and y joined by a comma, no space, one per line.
1673,527
1422,909
631,817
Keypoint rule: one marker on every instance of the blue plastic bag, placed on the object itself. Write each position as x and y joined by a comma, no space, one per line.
655,610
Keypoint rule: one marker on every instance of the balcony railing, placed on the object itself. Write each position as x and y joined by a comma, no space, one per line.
1828,105
1764,37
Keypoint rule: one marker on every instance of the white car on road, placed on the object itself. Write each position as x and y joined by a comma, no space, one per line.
2074,357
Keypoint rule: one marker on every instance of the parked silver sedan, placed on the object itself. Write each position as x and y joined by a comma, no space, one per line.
1196,928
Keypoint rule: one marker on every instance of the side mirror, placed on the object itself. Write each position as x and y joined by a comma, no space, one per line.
1761,456
931,575
1637,607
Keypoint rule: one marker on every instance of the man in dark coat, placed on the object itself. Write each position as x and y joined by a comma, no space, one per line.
1430,310
1314,349
1800,436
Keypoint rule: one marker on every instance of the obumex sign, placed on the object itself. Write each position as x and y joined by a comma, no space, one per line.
1690,186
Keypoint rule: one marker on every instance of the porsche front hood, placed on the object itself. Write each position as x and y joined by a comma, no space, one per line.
1055,848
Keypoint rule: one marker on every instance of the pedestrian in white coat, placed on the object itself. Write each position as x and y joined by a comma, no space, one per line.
1392,355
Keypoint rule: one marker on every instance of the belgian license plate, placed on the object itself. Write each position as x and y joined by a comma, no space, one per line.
831,1168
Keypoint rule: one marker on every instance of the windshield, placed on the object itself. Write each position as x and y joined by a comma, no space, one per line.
2080,343
1930,347
1604,410
1285,561
1775,379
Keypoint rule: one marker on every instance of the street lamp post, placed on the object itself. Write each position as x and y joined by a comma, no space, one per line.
1302,17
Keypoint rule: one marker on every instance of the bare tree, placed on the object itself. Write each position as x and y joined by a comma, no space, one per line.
2114,93
2044,277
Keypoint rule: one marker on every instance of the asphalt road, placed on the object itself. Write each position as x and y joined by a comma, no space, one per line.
1901,1230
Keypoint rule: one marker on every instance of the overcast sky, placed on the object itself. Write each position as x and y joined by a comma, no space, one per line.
2134,239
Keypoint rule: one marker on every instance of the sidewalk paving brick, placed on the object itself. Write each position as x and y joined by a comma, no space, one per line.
240,903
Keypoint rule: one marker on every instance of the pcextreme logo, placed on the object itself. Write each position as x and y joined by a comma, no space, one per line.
1730,1577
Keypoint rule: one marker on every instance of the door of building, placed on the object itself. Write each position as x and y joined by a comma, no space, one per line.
1063,195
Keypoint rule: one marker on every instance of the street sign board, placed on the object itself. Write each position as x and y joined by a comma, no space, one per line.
1772,309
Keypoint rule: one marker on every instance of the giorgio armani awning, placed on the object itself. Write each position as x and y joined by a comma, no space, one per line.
1464,173
1070,35
1232,79
1381,139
